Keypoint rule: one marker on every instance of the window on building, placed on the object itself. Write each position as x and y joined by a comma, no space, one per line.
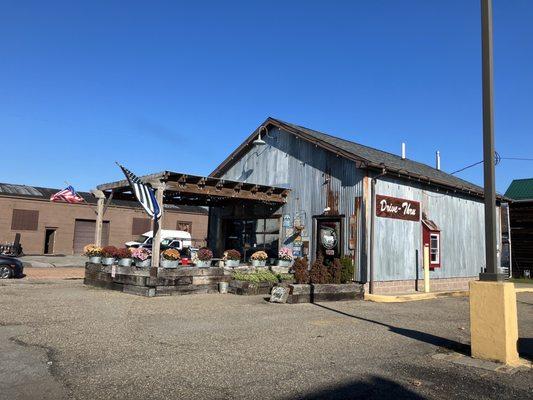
251,235
140,225
25,220
434,248
184,226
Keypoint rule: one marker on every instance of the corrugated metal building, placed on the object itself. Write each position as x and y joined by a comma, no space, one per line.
350,199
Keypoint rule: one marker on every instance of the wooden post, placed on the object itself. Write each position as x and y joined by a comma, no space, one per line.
157,226
426,268
99,216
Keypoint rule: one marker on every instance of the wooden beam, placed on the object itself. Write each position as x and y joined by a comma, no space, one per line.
124,183
100,210
189,188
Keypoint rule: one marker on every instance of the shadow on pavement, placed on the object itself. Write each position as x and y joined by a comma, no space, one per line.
375,388
411,333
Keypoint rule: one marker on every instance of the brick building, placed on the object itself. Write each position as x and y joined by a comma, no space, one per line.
60,228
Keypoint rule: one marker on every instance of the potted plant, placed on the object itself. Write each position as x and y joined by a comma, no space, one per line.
204,257
142,257
93,252
124,257
232,258
108,255
284,257
170,258
259,259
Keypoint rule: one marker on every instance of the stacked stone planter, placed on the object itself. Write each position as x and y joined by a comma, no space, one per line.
325,292
250,288
175,281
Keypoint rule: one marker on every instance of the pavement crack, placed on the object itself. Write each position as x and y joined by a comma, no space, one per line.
52,356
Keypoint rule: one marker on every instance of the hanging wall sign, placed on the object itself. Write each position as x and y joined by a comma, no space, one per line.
393,207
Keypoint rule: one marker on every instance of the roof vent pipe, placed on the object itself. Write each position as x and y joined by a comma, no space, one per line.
437,160
403,151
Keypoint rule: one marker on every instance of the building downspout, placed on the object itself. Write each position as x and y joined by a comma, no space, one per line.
372,228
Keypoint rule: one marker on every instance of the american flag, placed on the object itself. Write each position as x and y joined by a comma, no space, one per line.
144,194
67,195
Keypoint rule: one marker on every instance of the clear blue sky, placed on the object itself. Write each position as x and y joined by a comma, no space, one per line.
177,85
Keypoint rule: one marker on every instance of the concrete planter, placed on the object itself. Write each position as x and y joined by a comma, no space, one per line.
223,287
108,260
325,292
232,263
258,263
284,263
203,264
125,262
95,260
169,263
143,264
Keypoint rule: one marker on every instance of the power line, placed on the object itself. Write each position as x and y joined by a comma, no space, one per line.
468,166
517,158
497,160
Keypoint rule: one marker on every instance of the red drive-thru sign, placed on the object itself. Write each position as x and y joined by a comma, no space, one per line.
393,207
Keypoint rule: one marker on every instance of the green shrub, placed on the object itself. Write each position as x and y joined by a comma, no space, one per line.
255,277
347,269
285,277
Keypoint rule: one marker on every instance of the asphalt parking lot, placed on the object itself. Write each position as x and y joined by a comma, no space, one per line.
62,340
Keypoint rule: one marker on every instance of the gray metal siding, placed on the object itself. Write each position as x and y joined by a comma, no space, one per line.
462,234
300,166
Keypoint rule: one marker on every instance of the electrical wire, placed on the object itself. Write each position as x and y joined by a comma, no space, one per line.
497,160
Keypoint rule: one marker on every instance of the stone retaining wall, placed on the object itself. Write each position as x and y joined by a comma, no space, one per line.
133,280
325,292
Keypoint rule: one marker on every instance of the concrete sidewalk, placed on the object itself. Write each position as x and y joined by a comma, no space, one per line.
402,298
51,261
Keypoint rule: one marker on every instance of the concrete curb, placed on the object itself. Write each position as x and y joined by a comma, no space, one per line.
402,298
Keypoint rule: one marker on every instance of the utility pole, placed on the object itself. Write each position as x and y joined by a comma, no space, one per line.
493,314
491,271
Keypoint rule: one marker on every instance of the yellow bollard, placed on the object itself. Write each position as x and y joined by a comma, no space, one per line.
426,268
494,322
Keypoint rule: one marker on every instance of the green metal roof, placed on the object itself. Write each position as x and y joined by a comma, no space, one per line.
520,189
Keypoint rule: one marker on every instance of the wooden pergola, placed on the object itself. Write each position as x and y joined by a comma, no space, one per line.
175,188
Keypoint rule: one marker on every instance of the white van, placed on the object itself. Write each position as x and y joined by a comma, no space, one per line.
169,238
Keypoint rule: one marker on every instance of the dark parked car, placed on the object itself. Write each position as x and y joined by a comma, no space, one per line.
10,268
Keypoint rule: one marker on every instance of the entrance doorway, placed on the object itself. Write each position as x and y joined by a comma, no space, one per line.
250,235
329,237
49,240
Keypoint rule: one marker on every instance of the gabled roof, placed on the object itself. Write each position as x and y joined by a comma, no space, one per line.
364,156
520,189
43,194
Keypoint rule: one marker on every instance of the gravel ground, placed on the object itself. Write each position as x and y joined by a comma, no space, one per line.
60,339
